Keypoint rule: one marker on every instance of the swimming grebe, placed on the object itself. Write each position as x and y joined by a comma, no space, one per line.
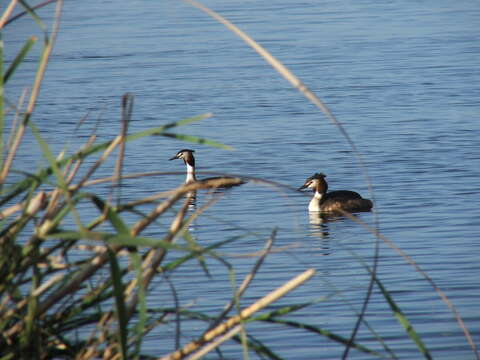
334,201
187,156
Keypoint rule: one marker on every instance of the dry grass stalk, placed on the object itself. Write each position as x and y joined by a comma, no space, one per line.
246,282
6,14
244,314
34,94
215,343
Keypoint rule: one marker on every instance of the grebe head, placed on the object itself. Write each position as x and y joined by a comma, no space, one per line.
316,182
186,155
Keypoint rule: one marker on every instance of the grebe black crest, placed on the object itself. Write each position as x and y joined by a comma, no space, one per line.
333,201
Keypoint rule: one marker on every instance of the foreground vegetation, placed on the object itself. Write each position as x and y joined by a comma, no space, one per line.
79,289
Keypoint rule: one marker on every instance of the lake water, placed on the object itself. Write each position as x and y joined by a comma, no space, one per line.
403,77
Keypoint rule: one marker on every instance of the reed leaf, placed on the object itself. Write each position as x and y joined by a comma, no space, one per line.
199,256
123,229
116,221
140,328
19,58
121,309
325,333
272,316
198,140
259,347
176,263
403,320
161,129
35,17
49,156
116,239
2,99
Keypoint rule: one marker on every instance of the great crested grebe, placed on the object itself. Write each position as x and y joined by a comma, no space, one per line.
334,201
187,156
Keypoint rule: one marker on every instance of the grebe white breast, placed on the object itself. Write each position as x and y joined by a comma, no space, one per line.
334,201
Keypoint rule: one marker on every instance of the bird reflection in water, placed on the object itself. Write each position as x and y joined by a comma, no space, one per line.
319,229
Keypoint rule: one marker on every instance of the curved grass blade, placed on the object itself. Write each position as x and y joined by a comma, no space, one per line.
62,184
272,316
19,58
116,221
35,17
140,327
176,263
193,244
198,140
116,239
323,332
402,319
2,100
13,18
49,156
159,130
259,347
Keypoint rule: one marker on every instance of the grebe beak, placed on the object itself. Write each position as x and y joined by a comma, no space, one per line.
304,186
173,158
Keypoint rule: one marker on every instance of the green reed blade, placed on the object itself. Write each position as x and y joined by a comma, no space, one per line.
19,58
111,214
159,130
402,319
49,156
140,328
272,316
198,140
176,263
123,229
119,290
2,111
56,170
116,239
259,347
323,332
35,17
194,245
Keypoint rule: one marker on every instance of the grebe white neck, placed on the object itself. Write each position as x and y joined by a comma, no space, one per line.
190,173
314,204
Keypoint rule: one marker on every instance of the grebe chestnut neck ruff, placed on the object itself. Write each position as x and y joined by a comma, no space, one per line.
334,201
187,156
